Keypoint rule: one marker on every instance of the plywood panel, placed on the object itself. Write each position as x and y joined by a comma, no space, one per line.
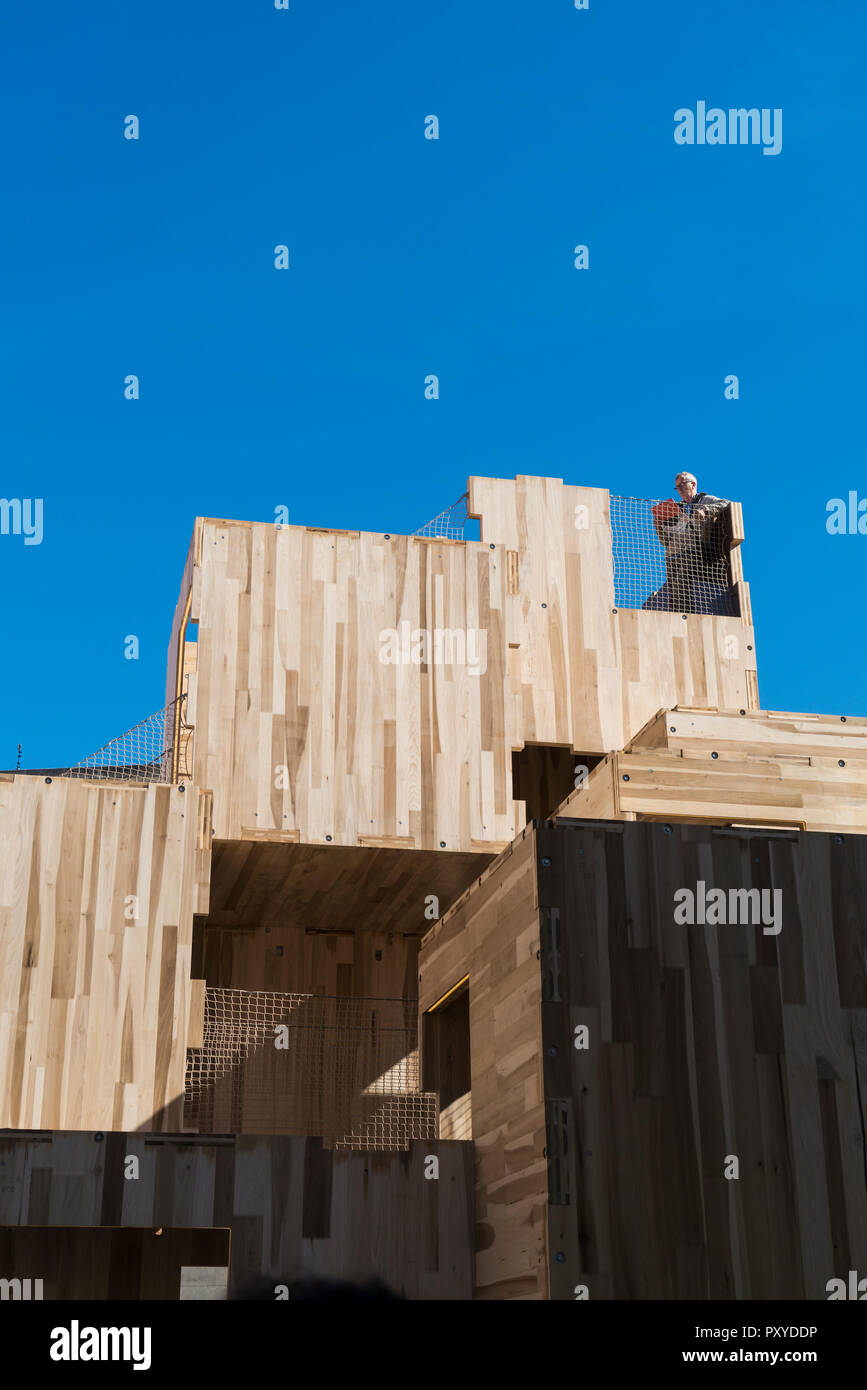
732,787
762,732
724,765
126,1264
98,886
704,1041
345,963
294,1210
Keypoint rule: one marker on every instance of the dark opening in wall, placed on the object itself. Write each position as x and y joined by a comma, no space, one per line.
446,1061
543,775
197,955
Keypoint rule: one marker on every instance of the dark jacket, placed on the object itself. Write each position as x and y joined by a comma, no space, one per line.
696,558
713,506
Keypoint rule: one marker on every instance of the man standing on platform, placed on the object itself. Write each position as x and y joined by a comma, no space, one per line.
696,562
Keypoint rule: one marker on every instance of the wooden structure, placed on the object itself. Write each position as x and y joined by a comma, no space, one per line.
761,766
100,1262
492,936
322,713
374,837
99,884
292,1209
603,1158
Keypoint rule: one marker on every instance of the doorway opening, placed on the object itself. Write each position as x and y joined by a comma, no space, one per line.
544,774
446,1067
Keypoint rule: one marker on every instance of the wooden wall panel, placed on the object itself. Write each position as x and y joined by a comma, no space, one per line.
289,688
705,1041
492,934
94,1004
763,732
759,766
362,965
732,787
117,1263
295,1210
301,729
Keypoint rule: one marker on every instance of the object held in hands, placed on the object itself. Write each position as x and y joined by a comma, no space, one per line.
666,511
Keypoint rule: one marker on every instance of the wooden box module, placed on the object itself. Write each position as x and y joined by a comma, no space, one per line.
292,1209
302,728
602,1167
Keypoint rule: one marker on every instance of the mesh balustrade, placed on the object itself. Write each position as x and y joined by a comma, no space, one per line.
343,1068
668,561
157,749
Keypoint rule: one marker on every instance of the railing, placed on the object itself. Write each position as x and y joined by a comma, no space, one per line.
450,525
342,1068
667,561
158,749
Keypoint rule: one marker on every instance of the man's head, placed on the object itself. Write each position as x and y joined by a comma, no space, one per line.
686,485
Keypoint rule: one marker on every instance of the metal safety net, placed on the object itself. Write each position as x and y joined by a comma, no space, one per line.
667,560
342,1068
454,524
158,749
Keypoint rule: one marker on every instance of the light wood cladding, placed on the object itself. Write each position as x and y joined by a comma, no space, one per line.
196,1021
301,728
733,787
295,1210
95,1003
334,887
587,674
721,765
492,934
765,732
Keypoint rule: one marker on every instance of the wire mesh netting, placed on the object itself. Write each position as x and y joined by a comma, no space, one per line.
453,524
392,1122
345,1069
158,749
666,560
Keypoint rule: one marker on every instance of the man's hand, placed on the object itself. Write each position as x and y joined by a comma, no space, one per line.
701,514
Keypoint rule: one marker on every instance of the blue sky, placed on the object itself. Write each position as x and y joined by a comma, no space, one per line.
408,257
